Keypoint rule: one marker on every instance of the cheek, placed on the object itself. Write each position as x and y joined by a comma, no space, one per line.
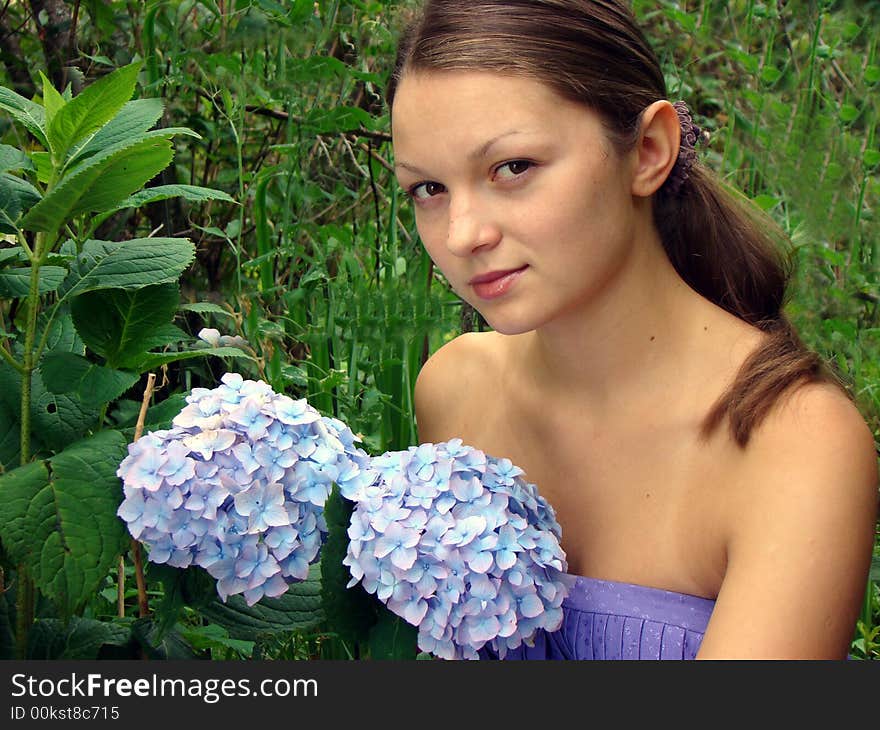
432,234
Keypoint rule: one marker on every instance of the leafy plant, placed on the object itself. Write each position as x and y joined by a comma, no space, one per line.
89,317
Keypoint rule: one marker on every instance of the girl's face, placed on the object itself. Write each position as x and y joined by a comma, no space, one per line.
520,198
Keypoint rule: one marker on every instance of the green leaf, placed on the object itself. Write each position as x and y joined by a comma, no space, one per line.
62,336
120,324
181,587
352,612
158,416
16,195
66,372
58,420
872,74
299,608
206,308
15,253
130,264
58,516
687,21
15,283
43,162
12,158
848,112
80,638
871,158
101,182
393,638
766,202
28,113
151,361
163,335
135,118
158,643
770,74
53,102
193,193
338,119
211,636
91,109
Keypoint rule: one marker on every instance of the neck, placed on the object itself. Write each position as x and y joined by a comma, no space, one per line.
647,344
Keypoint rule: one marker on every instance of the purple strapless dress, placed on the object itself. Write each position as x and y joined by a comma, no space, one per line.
609,620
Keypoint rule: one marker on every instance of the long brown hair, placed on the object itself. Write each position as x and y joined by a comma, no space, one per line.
592,52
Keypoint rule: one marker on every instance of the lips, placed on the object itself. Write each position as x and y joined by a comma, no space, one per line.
493,284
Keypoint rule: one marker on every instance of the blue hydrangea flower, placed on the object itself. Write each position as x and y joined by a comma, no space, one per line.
238,485
460,545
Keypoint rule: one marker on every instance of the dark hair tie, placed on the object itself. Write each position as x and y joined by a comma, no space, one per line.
687,155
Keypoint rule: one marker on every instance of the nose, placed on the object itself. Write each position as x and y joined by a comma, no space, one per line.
470,228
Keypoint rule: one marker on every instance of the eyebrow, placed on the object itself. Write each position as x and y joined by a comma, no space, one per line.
475,154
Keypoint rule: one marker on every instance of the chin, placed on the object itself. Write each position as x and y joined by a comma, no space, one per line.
509,325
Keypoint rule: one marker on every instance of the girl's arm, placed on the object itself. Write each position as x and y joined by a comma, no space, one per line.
801,534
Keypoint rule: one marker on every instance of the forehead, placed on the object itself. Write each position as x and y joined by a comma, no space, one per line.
470,107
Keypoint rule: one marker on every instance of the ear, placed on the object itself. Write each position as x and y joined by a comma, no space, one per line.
656,149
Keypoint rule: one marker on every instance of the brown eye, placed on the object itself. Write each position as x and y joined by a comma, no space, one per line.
512,169
426,190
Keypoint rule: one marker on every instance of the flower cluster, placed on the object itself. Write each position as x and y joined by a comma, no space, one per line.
460,545
238,485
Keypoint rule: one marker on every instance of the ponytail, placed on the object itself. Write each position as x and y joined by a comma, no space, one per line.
738,258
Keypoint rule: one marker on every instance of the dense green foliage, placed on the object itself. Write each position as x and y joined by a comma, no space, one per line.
233,171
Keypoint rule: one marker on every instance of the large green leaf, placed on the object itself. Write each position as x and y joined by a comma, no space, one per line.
15,283
16,195
101,182
58,516
58,420
299,608
135,118
193,193
120,324
29,113
130,264
92,252
66,372
91,109
12,158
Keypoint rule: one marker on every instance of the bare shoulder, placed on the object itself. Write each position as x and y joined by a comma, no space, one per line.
801,532
450,377
816,430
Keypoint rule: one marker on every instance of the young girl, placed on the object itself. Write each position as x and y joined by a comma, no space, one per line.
715,484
